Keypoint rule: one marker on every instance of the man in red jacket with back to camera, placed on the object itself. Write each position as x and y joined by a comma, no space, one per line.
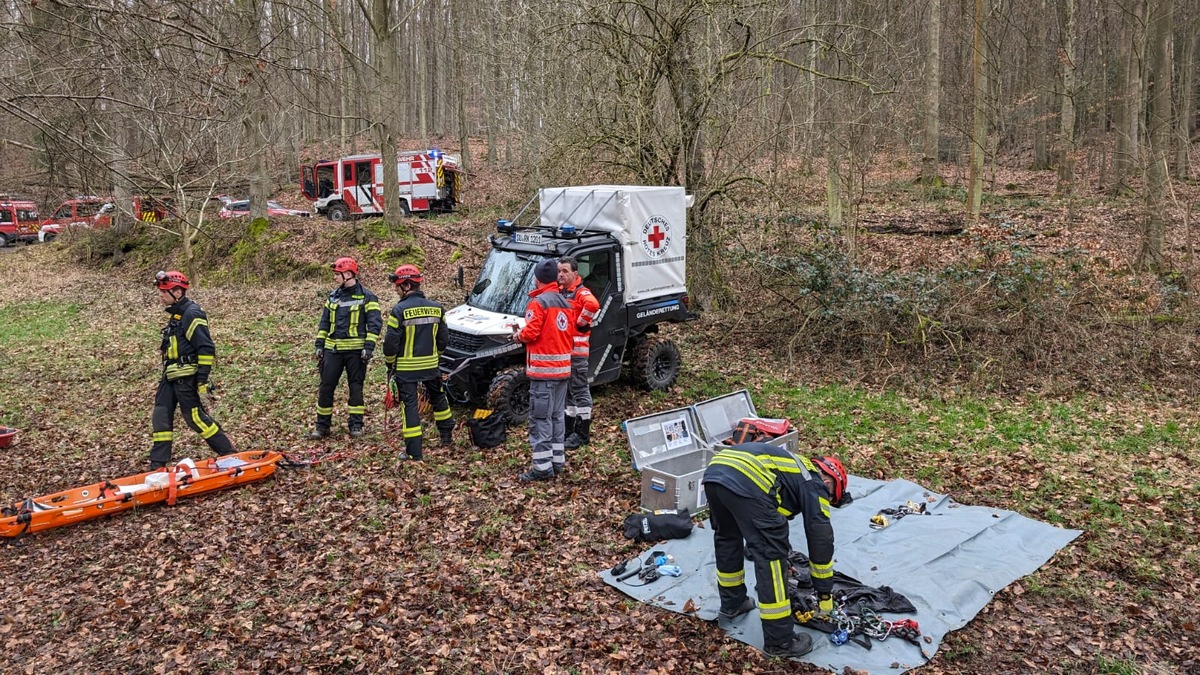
548,334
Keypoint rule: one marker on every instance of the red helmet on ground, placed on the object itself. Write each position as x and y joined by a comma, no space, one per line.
345,265
165,281
406,273
832,467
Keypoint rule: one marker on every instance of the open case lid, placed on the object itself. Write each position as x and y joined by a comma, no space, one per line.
718,416
654,438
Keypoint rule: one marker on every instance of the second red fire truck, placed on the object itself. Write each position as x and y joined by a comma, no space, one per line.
353,186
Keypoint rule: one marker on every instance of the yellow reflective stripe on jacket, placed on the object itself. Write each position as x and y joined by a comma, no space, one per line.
176,371
196,323
417,363
747,464
344,344
392,321
172,347
205,359
818,571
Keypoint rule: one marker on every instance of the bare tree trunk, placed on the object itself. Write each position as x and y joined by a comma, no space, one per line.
933,86
1161,37
383,96
460,84
1187,98
979,125
835,193
1038,67
1130,90
1066,134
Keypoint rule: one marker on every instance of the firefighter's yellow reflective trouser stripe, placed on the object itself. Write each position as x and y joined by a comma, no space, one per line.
441,415
356,409
207,431
159,436
780,606
731,579
324,411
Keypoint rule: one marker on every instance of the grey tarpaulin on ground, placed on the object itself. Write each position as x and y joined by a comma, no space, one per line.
949,564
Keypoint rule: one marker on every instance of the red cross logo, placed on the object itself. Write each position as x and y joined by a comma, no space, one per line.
656,236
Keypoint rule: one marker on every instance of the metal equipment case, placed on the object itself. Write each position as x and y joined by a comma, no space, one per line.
672,449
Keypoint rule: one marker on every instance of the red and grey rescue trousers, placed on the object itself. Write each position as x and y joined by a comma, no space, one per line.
739,523
182,393
412,416
332,366
547,398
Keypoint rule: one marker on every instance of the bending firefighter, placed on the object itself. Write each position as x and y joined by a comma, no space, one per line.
188,354
549,325
753,490
416,336
346,337
579,396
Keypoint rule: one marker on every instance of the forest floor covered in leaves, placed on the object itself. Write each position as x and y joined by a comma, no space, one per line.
370,564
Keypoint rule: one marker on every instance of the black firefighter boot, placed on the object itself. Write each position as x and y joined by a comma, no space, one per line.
412,448
446,434
582,435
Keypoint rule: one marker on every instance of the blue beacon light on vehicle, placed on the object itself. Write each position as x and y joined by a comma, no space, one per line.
567,230
505,226
435,153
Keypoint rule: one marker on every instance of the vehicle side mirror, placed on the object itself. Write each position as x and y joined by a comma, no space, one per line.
460,276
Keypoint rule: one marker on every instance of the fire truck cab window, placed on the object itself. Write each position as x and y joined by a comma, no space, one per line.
363,176
324,181
347,173
5,215
64,212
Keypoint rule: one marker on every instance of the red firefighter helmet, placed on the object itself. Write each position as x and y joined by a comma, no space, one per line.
345,265
832,467
406,273
165,281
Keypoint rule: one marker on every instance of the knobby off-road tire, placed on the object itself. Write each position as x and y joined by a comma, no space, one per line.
509,394
338,213
655,363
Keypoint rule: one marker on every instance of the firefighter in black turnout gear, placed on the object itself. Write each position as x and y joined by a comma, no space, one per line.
188,354
346,337
753,490
416,337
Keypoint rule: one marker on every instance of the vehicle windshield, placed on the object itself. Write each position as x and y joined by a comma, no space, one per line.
504,283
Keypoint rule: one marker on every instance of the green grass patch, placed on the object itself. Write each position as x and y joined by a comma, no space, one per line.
44,320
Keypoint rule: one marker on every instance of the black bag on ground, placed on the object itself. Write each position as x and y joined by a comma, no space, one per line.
488,429
649,527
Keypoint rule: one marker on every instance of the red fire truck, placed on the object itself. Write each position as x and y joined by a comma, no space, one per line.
353,186
18,220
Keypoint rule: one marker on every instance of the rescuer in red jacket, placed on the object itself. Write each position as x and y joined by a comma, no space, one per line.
547,335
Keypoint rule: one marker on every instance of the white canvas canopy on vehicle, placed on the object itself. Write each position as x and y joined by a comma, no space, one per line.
649,222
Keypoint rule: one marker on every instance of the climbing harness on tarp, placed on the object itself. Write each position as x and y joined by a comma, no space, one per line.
856,616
